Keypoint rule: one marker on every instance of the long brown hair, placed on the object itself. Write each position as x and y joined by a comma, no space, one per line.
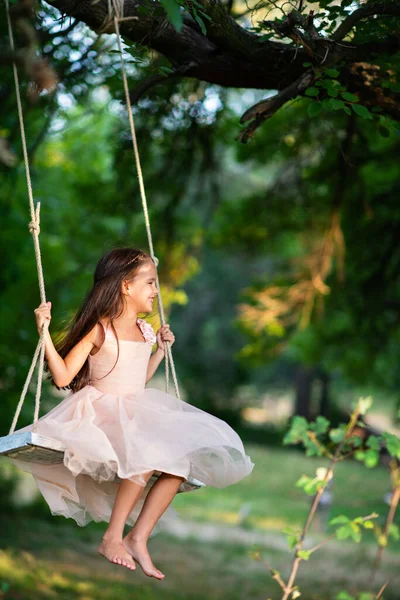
104,301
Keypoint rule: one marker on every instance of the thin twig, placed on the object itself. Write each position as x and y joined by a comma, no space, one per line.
394,502
336,457
383,588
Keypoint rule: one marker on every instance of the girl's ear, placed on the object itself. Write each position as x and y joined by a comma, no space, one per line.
125,286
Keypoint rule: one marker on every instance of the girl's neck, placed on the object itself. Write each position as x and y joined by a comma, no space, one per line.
128,317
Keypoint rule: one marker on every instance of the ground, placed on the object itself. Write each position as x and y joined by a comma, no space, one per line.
207,554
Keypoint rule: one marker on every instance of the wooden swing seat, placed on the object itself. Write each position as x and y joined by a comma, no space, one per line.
29,446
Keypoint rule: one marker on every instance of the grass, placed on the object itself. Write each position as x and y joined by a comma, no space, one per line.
275,501
53,558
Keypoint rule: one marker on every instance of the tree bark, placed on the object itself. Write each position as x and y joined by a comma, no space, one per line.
324,396
229,55
303,383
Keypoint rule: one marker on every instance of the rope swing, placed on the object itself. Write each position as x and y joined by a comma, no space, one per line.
31,446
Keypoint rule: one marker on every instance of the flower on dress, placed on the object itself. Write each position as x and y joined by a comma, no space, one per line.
147,331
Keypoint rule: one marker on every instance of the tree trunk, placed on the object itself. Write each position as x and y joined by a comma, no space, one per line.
303,382
324,397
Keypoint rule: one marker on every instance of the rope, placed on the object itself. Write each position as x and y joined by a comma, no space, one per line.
115,13
169,361
34,228
117,9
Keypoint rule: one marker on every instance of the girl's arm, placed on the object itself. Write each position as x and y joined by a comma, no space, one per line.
154,361
164,334
63,370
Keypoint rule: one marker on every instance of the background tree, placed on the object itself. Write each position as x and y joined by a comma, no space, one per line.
294,208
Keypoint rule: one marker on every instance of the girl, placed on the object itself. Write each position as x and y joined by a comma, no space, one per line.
116,432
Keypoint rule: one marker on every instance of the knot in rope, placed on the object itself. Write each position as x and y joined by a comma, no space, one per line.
34,225
155,260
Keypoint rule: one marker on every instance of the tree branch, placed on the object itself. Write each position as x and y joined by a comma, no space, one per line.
231,56
240,60
376,8
263,110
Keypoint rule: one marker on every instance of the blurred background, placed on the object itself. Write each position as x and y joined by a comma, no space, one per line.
279,264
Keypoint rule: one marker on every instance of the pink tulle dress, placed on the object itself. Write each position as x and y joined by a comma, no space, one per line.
115,428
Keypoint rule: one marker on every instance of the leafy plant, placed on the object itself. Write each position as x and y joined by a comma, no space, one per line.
339,444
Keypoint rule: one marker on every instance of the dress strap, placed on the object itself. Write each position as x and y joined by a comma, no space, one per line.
106,328
147,331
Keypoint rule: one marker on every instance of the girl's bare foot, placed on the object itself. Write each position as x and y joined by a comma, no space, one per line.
138,549
114,551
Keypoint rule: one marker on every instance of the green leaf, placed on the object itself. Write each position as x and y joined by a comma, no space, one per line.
292,541
349,97
355,532
201,24
368,525
312,448
394,532
344,596
166,70
354,441
321,425
344,532
297,431
205,16
373,442
337,104
332,92
332,72
339,520
174,14
302,481
362,112
304,554
371,458
312,91
392,444
293,536
314,109
337,434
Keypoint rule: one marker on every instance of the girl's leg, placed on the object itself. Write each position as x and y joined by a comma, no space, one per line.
158,499
112,546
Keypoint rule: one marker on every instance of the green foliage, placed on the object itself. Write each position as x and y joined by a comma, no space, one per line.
312,485
337,435
308,434
304,554
292,536
172,8
392,444
351,528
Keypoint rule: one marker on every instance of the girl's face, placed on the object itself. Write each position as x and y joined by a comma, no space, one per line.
141,291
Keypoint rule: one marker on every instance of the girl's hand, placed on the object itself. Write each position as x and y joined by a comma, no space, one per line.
42,314
164,334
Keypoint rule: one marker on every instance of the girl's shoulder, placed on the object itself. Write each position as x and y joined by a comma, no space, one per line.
97,336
